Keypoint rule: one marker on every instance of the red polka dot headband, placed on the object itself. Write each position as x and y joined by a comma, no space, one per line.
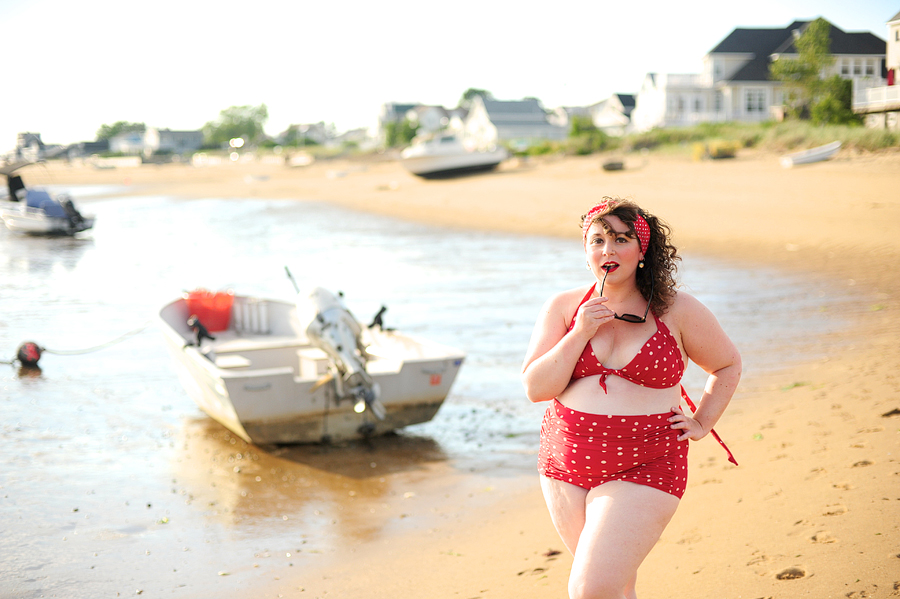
641,228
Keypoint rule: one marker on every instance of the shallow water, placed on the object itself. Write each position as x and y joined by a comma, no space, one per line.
111,480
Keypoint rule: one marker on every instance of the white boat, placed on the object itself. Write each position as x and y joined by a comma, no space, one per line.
44,214
812,155
274,372
38,212
446,156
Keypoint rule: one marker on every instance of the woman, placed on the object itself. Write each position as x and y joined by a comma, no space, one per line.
609,357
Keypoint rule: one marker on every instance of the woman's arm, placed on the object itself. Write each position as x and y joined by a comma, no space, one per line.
708,346
554,350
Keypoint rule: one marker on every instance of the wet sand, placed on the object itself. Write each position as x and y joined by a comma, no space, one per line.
813,509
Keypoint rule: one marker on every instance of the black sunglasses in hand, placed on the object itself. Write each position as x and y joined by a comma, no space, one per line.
630,317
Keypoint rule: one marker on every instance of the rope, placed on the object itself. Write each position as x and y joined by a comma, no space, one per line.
74,352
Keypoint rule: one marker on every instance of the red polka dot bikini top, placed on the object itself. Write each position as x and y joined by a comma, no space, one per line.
657,365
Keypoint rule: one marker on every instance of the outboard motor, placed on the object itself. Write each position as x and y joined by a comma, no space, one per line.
16,188
334,330
75,218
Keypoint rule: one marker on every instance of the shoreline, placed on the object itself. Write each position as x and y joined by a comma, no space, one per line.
814,506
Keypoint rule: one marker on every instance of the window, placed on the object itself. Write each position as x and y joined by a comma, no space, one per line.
845,68
697,105
756,101
870,68
718,102
857,68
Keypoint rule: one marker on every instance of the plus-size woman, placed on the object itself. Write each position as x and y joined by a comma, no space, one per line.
608,357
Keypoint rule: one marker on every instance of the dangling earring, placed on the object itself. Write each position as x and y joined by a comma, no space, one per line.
641,263
587,265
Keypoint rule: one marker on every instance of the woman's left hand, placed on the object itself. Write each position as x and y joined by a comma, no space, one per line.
691,429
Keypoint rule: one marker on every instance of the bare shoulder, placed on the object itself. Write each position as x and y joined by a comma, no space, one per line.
686,308
565,303
570,298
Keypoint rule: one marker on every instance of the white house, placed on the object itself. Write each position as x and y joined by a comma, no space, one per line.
519,122
153,140
127,142
175,142
613,115
429,119
881,103
734,84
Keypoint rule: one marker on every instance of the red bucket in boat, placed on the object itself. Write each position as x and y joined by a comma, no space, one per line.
213,309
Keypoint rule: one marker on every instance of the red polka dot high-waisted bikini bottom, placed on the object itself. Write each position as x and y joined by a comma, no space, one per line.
590,449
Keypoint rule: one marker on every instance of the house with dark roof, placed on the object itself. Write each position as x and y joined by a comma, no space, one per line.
881,103
734,84
517,122
613,115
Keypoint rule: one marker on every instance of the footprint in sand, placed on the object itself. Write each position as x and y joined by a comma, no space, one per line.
690,537
872,429
823,536
834,510
791,573
863,463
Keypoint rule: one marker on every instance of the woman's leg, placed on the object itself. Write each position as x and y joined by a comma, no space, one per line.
565,502
621,523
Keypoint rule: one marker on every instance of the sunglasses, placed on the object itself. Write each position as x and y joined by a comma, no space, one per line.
630,317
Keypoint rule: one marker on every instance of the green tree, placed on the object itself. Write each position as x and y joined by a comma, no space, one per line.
833,105
581,124
801,77
108,131
400,133
466,100
585,137
237,121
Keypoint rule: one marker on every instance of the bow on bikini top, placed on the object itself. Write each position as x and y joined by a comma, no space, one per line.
657,365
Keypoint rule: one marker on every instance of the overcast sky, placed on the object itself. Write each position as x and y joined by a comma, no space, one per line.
74,66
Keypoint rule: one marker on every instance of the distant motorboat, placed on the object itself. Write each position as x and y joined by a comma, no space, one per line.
813,155
447,156
36,211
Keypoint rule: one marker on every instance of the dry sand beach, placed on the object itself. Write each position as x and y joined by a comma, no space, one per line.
814,508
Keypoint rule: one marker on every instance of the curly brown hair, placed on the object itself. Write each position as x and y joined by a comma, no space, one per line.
661,258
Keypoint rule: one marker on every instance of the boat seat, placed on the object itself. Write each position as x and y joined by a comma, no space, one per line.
231,361
313,362
256,342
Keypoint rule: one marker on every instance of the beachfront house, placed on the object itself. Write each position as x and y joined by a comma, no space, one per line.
520,123
880,103
127,142
306,134
28,147
155,141
167,141
613,115
429,119
734,84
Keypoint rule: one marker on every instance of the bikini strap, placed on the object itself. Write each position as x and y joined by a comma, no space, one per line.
685,397
584,299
